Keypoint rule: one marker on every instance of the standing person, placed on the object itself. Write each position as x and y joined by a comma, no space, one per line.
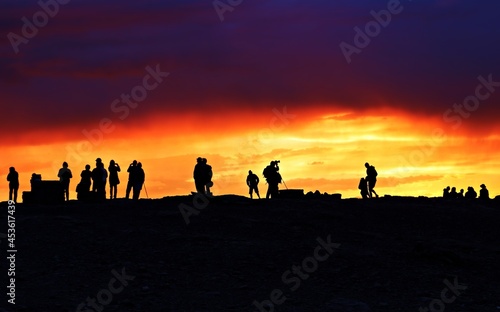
252,182
273,178
139,181
132,169
113,168
99,178
207,177
65,176
13,178
199,176
371,177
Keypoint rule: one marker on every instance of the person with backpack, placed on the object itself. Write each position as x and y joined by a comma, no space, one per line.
65,176
371,177
273,178
252,182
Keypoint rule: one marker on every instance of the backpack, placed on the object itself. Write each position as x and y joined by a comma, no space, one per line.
373,172
267,172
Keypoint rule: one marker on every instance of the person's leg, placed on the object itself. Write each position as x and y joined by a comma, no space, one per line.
129,188
15,193
274,190
200,187
369,188
136,192
250,191
257,191
11,191
373,187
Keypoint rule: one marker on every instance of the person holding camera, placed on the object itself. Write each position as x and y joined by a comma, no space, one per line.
273,178
113,169
132,173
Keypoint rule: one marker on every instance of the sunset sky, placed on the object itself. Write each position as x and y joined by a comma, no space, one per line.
244,82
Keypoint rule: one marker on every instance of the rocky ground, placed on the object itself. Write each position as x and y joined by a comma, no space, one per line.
237,254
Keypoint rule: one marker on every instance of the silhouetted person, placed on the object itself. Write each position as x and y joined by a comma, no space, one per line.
253,182
65,176
139,181
113,168
199,176
446,192
363,187
483,192
207,176
132,173
83,188
471,193
273,178
371,177
13,178
460,194
453,193
99,178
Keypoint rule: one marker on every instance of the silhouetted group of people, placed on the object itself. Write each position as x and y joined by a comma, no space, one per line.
202,175
93,183
366,185
470,194
98,177
136,179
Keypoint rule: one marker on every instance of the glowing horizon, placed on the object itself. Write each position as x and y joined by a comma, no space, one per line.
317,152
166,82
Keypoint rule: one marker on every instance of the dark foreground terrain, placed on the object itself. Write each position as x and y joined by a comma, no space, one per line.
386,254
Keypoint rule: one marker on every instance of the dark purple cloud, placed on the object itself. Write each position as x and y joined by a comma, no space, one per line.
427,58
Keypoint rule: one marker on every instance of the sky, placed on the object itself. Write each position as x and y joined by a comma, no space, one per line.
412,87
